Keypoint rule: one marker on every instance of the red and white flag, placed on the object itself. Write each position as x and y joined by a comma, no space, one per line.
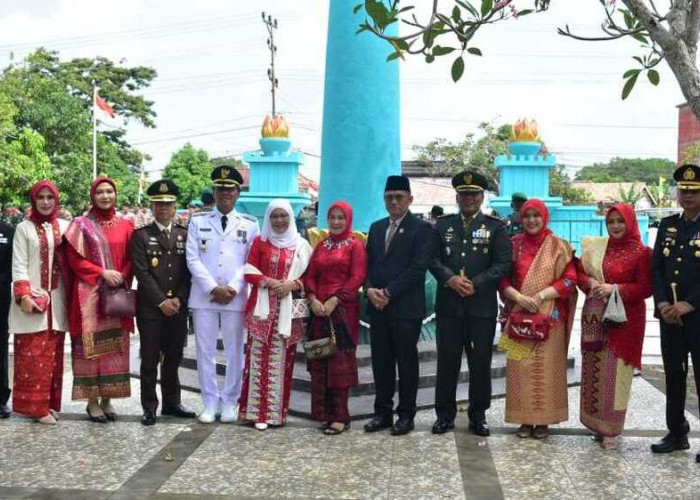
103,110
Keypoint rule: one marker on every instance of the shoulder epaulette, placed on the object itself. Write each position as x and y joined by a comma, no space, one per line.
496,218
251,218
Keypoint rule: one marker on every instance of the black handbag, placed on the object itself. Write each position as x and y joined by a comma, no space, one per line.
322,348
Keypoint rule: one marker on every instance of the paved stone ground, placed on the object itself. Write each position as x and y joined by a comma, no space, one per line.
183,460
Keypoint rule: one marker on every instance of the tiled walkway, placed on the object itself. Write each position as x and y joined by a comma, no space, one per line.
175,460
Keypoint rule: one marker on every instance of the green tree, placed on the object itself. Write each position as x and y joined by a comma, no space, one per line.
642,170
52,103
560,185
445,158
190,169
669,35
631,195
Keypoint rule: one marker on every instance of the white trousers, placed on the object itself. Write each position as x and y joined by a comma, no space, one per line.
207,323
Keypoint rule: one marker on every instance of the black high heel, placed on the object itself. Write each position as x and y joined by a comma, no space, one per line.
100,420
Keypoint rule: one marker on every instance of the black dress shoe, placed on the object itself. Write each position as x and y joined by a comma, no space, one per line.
5,411
179,411
442,425
402,426
480,428
101,419
149,418
378,423
671,443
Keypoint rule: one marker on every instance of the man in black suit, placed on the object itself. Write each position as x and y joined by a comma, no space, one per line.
474,253
7,232
399,248
157,254
675,271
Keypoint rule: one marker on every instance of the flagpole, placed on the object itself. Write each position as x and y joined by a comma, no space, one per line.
94,133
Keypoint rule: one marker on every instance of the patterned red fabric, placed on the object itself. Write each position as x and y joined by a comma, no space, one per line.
273,263
118,234
267,381
627,263
38,378
337,268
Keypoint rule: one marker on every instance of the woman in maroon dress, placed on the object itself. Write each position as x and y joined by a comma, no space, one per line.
97,254
611,353
337,270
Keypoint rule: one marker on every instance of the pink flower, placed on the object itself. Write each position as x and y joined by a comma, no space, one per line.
513,11
502,3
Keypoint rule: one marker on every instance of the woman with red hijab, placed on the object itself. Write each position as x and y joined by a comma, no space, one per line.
336,271
612,352
541,288
98,255
38,316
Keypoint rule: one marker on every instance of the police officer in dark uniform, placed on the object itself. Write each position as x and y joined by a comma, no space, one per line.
676,268
7,233
513,220
157,254
473,254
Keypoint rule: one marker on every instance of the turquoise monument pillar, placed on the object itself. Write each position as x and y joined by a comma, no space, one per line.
274,172
361,142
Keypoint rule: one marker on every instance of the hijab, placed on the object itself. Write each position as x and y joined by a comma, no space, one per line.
631,236
347,210
102,214
538,206
36,216
287,239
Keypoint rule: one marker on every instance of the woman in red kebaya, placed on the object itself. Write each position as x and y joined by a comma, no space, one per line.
336,272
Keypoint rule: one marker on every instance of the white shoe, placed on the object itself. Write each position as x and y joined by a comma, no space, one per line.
47,420
261,426
229,413
208,415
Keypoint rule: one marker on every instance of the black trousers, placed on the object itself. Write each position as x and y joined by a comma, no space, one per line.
4,365
394,344
161,337
457,335
676,343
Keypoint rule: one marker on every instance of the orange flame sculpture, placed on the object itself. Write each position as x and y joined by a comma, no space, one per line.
525,130
275,127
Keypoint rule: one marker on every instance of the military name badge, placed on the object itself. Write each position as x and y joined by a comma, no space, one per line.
154,262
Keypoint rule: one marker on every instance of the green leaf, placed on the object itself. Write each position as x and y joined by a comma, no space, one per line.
474,51
653,76
469,7
630,73
457,69
629,85
486,6
357,8
640,38
429,58
441,51
400,44
393,55
525,12
456,14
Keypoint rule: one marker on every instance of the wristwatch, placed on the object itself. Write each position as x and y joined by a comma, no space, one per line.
541,296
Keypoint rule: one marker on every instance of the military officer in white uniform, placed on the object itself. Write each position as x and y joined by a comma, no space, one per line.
217,249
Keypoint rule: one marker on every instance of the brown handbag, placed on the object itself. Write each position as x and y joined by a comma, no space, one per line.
117,302
324,347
